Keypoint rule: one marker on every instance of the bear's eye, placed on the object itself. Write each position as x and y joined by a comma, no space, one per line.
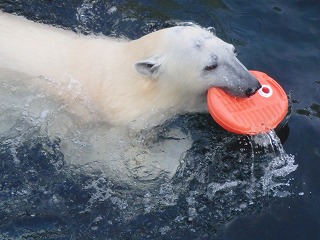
211,67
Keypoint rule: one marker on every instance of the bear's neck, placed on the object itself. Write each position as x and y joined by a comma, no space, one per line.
103,67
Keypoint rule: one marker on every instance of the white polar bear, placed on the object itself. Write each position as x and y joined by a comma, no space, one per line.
167,72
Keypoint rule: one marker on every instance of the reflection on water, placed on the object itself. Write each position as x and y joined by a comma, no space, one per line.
312,111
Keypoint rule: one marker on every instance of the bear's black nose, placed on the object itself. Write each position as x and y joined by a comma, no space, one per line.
251,91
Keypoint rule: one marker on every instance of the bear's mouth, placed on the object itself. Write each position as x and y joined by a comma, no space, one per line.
242,93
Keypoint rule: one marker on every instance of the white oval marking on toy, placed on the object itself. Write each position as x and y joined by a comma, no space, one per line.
265,91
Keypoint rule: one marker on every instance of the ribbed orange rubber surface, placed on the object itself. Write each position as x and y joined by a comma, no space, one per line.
252,115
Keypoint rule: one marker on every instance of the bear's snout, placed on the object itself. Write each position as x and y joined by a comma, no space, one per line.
250,91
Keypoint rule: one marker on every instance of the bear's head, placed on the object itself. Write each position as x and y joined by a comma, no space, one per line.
193,60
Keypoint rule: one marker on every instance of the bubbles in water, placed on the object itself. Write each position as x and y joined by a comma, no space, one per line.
164,230
85,12
112,10
102,190
215,187
167,196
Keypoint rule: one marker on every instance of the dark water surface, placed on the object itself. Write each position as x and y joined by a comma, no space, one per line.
228,187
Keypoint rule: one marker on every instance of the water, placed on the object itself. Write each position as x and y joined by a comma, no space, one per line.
217,185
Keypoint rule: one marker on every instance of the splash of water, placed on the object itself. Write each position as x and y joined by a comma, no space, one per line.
187,171
281,164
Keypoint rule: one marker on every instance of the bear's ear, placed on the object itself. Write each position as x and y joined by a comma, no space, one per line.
149,67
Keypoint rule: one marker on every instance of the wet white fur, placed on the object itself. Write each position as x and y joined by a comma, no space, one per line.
114,73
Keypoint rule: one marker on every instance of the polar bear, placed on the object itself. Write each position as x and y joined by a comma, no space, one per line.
149,79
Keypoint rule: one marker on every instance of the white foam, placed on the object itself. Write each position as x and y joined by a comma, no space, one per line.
147,160
126,154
